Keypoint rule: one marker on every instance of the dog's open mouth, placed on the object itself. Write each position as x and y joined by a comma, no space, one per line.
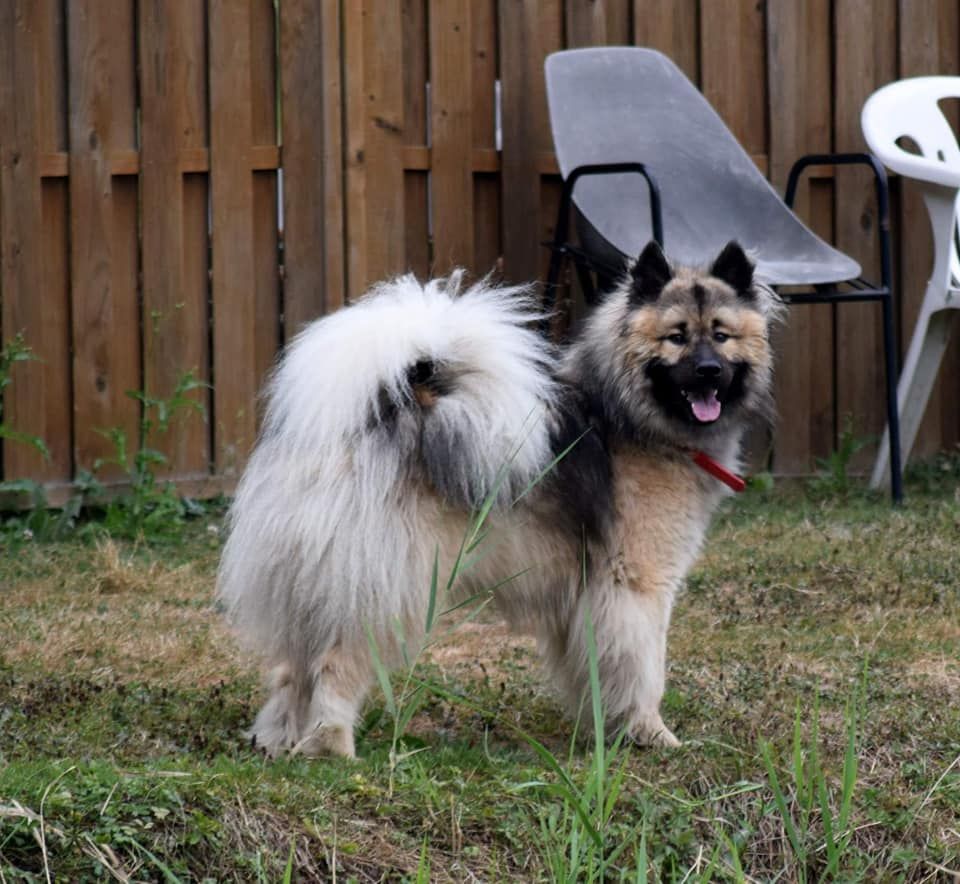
704,404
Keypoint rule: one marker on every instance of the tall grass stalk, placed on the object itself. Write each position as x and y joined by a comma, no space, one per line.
806,798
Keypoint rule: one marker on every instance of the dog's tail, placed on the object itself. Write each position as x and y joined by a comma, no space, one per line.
413,388
454,383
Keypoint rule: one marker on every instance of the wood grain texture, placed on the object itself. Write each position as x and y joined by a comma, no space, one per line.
486,187
451,119
234,280
33,232
528,33
673,28
736,91
314,279
798,71
418,246
175,266
865,35
268,328
375,137
103,231
597,24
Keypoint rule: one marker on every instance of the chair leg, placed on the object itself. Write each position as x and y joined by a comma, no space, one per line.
916,383
893,413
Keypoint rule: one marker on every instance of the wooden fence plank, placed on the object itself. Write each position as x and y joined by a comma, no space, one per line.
486,186
528,32
416,182
174,217
597,24
52,112
451,134
672,27
32,241
736,91
231,186
375,133
103,257
549,30
798,71
268,330
865,58
520,184
314,279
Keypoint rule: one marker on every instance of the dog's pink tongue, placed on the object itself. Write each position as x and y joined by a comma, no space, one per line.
706,407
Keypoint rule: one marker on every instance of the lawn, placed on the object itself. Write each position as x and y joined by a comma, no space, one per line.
814,679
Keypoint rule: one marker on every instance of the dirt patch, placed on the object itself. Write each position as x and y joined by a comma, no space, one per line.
479,650
939,673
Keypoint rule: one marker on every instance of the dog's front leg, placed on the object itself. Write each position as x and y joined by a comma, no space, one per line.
630,626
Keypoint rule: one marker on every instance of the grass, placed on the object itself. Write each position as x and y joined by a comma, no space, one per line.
814,677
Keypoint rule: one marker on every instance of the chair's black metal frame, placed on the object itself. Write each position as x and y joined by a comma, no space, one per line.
858,289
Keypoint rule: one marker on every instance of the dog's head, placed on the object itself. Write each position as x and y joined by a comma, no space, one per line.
692,358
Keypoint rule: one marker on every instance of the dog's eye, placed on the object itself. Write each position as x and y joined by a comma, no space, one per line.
720,336
677,338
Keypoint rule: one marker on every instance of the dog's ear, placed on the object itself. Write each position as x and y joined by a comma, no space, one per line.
735,268
649,275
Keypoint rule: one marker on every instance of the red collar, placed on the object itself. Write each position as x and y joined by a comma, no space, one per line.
709,465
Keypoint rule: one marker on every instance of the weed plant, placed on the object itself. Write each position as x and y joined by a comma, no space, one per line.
144,506
150,506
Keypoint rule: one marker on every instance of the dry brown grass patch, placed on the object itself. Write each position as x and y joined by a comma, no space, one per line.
132,618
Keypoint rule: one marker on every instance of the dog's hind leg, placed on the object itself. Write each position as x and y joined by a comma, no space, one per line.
278,724
341,680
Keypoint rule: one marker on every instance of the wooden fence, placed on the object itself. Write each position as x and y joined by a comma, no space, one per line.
148,147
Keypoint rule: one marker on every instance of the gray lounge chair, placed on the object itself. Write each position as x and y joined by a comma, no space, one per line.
644,156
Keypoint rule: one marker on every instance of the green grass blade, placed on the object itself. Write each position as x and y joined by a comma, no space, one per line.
642,861
568,790
781,802
288,871
423,866
826,818
850,764
410,708
546,470
383,675
596,698
432,603
168,873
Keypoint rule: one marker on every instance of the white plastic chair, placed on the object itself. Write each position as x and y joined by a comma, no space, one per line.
908,109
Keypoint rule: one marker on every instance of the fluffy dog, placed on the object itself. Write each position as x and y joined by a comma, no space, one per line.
391,422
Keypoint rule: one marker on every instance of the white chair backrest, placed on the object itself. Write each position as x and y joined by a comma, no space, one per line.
910,109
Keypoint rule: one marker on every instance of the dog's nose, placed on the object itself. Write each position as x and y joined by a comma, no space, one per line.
706,362
708,368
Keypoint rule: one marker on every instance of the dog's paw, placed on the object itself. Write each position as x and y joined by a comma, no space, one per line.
327,740
655,734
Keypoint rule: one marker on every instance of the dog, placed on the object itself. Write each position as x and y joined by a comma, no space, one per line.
392,423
